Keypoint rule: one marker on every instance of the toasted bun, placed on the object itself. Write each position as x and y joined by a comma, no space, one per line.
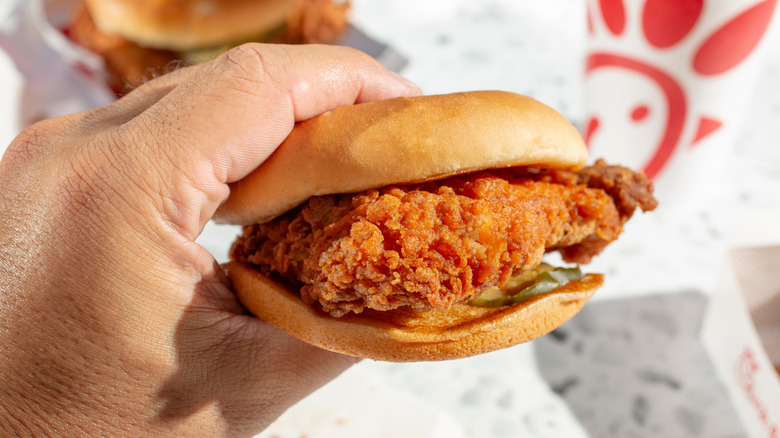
403,140
405,335
188,24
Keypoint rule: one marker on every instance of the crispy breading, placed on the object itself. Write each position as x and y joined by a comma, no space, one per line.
444,242
315,22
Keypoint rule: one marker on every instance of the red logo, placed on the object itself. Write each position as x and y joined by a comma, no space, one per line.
746,369
667,25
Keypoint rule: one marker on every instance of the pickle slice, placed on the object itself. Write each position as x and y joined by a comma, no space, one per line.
526,285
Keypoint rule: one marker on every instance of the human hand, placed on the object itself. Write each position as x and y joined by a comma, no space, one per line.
113,321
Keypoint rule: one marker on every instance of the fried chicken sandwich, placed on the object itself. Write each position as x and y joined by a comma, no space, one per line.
139,38
414,229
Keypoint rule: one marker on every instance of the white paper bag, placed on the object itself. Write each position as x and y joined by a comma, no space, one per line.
742,327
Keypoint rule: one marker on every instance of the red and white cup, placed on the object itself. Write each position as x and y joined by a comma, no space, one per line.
667,84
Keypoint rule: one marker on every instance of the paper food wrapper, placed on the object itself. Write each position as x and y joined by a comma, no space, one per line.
742,329
666,86
62,78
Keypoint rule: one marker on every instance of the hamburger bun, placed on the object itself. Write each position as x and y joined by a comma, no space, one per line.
397,141
405,335
403,140
188,24
142,39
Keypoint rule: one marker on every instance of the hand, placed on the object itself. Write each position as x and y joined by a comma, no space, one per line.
112,320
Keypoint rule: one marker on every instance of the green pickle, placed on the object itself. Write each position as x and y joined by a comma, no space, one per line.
526,285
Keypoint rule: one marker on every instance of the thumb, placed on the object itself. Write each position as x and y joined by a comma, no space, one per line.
224,118
248,369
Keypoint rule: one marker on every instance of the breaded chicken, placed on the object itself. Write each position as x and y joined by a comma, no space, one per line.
444,242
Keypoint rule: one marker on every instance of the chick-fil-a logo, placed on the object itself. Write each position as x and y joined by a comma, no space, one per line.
665,28
746,368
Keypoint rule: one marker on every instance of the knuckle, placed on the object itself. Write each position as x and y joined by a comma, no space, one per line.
245,60
56,169
254,62
30,146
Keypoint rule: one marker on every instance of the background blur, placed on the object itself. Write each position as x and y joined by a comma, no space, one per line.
637,359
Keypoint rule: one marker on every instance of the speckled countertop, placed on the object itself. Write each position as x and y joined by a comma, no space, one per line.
667,261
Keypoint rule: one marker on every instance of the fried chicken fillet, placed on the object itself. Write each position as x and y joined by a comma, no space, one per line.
444,242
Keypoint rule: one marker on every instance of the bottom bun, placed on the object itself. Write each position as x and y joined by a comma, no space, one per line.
405,335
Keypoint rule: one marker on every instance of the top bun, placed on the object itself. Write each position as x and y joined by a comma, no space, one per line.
403,140
188,24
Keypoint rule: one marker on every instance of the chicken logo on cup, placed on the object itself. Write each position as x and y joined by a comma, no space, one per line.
664,77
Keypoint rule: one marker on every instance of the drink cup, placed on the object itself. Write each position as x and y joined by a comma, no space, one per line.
667,84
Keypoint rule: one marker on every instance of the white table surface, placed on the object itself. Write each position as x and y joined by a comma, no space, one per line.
534,48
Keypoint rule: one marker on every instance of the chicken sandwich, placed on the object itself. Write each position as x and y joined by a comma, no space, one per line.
414,228
139,38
